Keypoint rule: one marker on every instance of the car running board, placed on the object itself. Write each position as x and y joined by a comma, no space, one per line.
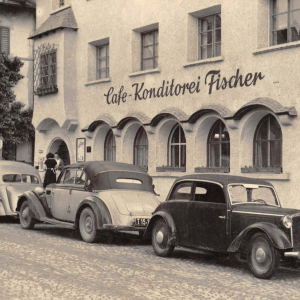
57,222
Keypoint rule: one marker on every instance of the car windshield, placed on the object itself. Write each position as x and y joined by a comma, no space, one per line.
250,193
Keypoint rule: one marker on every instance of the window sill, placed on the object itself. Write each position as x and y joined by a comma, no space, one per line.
46,90
212,170
97,81
277,48
204,61
269,176
140,73
275,170
170,169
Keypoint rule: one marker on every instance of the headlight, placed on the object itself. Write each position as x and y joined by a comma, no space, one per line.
287,221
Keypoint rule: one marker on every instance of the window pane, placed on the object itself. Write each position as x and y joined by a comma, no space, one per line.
156,50
148,39
280,22
218,21
214,155
225,155
183,155
175,137
275,130
280,37
206,23
102,63
263,130
182,191
218,49
295,33
295,18
148,52
175,156
262,154
206,38
156,37
156,62
275,154
147,64
295,4
102,51
218,35
280,6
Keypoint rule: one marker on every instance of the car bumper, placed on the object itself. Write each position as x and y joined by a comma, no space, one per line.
123,228
292,254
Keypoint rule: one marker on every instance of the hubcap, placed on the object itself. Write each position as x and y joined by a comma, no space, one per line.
88,224
260,255
159,237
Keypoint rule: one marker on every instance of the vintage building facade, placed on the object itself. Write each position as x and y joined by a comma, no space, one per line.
176,87
17,22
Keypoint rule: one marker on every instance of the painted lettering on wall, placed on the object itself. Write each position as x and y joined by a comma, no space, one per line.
214,81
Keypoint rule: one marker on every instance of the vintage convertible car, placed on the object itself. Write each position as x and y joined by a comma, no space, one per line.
15,179
227,214
94,197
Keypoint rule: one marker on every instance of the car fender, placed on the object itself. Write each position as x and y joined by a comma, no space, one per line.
99,208
35,207
278,238
169,221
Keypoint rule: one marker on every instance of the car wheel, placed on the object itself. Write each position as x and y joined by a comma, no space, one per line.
27,222
160,238
87,225
263,258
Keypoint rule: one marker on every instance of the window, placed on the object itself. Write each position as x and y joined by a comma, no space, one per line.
61,3
48,69
218,146
11,178
141,148
209,36
177,147
268,143
209,192
110,147
285,21
182,191
150,50
102,61
4,40
29,178
74,176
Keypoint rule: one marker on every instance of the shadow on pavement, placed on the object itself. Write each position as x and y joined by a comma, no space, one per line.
9,220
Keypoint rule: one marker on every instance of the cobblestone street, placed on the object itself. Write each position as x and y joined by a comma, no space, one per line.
53,263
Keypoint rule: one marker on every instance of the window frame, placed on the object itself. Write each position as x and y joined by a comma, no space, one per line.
99,59
268,140
50,63
289,31
219,123
2,28
155,45
213,30
170,144
112,148
138,148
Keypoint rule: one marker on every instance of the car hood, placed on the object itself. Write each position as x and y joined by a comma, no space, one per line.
264,209
134,203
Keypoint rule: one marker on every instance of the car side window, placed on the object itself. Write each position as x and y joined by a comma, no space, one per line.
11,178
182,191
80,177
29,178
69,176
209,192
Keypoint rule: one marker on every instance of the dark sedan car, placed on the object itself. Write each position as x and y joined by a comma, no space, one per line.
227,214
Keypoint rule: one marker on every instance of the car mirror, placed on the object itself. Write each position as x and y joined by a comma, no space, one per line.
39,190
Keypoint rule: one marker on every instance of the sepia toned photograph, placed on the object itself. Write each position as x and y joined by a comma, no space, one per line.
148,149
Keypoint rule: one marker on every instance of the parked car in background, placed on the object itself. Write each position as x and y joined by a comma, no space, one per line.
15,179
227,214
95,197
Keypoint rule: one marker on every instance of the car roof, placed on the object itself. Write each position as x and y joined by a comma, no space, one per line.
8,166
224,179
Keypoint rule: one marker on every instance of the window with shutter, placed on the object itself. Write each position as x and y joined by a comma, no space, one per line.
4,40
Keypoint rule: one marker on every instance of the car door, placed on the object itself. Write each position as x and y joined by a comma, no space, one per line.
59,196
207,217
179,201
77,193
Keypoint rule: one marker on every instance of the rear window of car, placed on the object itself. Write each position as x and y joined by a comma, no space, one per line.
30,179
11,178
128,180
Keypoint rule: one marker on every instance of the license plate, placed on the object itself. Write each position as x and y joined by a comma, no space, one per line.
141,222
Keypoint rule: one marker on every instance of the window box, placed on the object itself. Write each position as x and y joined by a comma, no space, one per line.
276,170
43,90
212,170
170,169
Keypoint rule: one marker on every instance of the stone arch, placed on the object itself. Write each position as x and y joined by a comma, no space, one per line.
59,145
169,112
46,124
100,134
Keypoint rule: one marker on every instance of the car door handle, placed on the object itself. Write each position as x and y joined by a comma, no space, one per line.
222,217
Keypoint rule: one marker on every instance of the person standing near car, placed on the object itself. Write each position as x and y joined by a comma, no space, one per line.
50,167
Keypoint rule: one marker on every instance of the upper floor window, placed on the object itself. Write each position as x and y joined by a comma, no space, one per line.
141,148
268,143
150,50
110,147
219,146
4,40
285,21
102,61
48,69
61,3
209,36
177,147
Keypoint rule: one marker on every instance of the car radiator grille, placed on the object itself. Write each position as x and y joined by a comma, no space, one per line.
296,232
